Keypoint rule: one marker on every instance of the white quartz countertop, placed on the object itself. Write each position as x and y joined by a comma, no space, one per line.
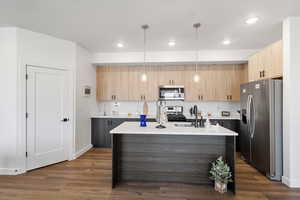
134,116
171,129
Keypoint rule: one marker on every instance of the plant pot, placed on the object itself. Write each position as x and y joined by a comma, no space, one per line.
220,187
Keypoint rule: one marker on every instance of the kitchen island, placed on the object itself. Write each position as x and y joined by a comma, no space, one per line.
179,153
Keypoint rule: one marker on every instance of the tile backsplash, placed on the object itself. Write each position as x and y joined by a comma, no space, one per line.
213,108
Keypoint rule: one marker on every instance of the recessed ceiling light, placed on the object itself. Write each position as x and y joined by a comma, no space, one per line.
252,20
226,42
120,45
172,43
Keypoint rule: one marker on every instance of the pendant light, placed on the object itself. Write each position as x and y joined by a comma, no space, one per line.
144,75
196,77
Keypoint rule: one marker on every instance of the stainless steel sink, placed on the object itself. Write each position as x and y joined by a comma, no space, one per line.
183,125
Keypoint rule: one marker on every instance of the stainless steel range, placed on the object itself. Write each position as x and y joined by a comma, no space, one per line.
175,114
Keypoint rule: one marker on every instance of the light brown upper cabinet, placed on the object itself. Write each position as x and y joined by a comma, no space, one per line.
139,89
266,63
196,90
171,75
216,82
112,83
222,82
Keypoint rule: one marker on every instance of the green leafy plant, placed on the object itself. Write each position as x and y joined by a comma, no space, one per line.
220,171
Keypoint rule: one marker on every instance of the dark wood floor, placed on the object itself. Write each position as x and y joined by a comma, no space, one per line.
89,177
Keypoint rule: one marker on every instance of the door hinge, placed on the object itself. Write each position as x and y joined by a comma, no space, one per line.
26,114
26,76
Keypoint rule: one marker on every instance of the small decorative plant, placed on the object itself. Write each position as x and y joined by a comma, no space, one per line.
220,173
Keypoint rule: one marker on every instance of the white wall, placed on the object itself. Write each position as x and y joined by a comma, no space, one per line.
291,99
8,100
85,76
19,48
205,56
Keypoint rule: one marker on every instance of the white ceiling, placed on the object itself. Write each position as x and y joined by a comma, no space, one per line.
99,24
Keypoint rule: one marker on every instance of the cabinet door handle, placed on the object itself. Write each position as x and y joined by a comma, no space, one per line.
172,82
201,97
65,119
198,97
263,73
144,98
260,74
227,97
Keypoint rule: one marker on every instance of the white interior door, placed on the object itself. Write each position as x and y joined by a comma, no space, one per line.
47,119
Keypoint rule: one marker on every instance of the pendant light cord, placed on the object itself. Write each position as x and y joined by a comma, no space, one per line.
197,53
145,27
196,26
145,50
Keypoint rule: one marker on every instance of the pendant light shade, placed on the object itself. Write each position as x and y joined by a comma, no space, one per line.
196,77
144,75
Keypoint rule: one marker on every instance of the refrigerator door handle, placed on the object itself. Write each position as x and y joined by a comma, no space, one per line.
248,112
252,116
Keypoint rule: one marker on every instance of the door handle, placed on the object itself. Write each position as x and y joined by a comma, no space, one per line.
65,120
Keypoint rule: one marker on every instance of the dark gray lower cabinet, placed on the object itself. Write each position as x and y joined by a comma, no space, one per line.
102,126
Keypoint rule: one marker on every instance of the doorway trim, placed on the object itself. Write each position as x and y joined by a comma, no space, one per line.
21,160
68,130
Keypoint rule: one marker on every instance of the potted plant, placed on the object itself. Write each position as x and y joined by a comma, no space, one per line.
220,173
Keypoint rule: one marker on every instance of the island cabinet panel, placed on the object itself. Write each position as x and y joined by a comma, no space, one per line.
169,158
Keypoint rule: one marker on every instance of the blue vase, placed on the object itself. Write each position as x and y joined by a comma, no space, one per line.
143,122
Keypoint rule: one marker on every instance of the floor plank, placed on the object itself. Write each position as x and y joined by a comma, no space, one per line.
89,177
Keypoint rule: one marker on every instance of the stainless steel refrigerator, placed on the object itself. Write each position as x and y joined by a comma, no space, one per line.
261,126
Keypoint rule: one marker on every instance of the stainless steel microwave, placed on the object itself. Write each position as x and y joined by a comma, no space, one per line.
171,92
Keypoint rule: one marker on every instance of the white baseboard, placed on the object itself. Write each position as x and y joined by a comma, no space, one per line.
8,171
82,151
292,183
